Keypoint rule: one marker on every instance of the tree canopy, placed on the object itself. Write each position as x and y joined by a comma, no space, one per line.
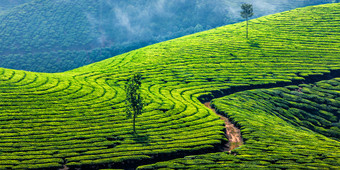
247,12
134,101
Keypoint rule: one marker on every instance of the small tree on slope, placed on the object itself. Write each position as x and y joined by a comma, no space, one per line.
247,12
134,101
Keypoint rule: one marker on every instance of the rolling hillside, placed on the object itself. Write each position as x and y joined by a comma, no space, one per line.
60,35
7,5
281,127
77,118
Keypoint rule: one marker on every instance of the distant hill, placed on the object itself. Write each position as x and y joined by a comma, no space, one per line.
77,118
6,5
59,35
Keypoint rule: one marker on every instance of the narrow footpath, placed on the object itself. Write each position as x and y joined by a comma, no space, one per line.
232,133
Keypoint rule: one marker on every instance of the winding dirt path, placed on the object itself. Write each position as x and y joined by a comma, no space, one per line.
232,133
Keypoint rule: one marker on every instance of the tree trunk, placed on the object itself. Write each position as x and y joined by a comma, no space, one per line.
247,28
134,122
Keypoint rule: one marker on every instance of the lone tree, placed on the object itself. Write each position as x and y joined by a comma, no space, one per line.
134,101
247,12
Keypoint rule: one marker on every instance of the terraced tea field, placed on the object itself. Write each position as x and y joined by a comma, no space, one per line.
292,127
77,118
42,36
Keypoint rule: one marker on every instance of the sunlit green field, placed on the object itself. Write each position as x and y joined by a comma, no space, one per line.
281,127
77,118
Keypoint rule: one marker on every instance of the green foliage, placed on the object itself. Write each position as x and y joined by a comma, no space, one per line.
60,35
134,101
254,43
78,117
274,131
247,12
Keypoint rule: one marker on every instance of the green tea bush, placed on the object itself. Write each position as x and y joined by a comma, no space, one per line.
76,118
270,140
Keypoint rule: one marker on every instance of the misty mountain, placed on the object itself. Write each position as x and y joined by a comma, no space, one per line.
8,4
58,35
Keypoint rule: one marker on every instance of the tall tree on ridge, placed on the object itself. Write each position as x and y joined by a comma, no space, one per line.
134,101
247,12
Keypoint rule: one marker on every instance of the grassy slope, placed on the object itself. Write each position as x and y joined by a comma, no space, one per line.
273,124
77,117
43,35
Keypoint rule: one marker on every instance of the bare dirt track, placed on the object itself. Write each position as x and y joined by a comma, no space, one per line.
232,133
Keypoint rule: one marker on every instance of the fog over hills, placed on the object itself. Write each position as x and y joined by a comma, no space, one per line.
59,35
280,87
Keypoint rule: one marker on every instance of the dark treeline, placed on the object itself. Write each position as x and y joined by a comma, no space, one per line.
59,35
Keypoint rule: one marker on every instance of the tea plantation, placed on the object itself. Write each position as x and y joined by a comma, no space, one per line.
279,127
77,118
42,36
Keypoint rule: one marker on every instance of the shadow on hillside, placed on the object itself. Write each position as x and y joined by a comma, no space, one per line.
253,43
141,139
